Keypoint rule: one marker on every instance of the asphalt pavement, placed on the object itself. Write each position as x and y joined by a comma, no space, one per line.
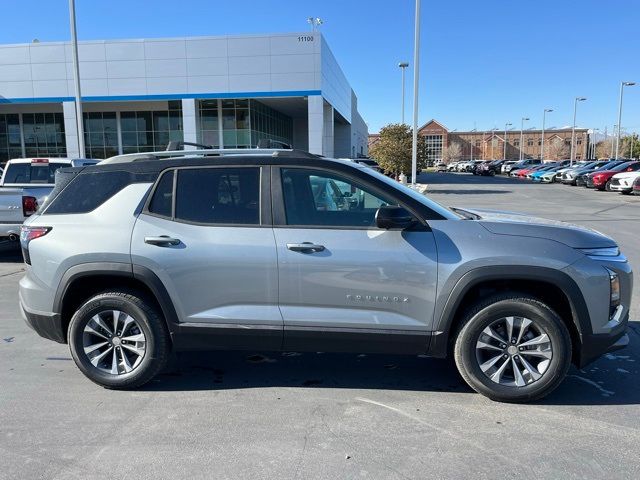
313,415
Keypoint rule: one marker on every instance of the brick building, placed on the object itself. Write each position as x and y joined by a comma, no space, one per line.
490,144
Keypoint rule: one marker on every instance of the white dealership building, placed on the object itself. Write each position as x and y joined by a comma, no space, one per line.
137,95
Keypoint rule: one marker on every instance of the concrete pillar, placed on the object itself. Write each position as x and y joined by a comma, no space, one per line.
315,107
190,121
320,125
328,131
70,129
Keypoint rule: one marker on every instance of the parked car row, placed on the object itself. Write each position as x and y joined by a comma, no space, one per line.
621,175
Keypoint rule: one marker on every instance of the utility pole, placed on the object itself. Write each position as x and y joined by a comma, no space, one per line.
544,116
524,119
416,78
403,66
76,78
573,128
622,85
504,153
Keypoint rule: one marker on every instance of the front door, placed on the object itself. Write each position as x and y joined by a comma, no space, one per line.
207,240
340,277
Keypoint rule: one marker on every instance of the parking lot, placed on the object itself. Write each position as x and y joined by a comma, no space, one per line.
271,415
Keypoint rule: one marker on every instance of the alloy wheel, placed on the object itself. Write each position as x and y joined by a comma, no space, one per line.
113,342
514,351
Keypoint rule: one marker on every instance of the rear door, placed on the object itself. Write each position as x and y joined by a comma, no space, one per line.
345,284
207,234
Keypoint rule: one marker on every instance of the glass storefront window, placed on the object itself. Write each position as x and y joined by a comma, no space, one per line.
43,134
148,131
244,123
100,134
433,145
9,137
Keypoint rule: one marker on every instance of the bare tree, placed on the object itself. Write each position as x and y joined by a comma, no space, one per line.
452,154
556,150
604,148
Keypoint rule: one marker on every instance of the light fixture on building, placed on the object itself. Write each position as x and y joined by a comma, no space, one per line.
315,22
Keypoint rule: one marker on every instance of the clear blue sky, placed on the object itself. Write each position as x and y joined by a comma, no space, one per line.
482,63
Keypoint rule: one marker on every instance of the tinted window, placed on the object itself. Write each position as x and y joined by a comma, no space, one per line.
321,198
88,191
219,195
162,201
32,173
63,178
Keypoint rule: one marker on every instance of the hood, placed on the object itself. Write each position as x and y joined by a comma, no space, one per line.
627,174
518,224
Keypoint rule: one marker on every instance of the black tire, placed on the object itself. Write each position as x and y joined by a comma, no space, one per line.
489,310
607,186
151,324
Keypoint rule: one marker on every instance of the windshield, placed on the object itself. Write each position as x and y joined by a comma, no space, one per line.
21,173
436,207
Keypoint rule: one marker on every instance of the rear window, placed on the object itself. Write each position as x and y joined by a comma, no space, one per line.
87,191
43,173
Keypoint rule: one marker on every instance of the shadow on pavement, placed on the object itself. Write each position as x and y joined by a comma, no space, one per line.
467,179
611,380
466,191
10,252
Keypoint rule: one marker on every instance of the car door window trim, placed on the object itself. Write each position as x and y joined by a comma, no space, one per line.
279,213
264,208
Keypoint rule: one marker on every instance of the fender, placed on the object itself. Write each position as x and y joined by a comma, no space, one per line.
580,313
85,270
125,270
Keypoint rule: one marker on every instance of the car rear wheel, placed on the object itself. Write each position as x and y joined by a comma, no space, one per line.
513,348
119,340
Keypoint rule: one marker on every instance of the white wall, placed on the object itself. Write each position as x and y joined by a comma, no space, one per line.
230,64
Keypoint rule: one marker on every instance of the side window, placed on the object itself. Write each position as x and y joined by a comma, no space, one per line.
87,191
218,195
323,199
162,201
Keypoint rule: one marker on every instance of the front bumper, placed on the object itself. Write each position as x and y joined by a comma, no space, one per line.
594,346
620,188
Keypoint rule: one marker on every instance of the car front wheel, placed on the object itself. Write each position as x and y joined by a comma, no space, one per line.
513,348
119,340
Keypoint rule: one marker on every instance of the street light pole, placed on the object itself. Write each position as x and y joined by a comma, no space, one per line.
524,119
76,77
622,85
544,117
593,143
612,142
573,128
403,66
504,153
416,77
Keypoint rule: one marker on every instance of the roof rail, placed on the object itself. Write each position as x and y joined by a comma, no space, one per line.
209,152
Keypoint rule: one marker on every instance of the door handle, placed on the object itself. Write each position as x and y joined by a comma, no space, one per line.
305,247
162,241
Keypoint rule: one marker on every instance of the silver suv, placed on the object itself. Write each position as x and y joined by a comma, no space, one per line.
140,256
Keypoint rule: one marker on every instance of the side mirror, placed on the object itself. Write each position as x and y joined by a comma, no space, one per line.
393,217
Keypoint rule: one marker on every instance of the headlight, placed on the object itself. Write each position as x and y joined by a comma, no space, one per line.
601,252
614,280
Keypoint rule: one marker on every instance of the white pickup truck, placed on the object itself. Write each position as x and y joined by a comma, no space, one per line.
24,185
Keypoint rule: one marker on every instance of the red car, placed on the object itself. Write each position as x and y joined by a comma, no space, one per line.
600,180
